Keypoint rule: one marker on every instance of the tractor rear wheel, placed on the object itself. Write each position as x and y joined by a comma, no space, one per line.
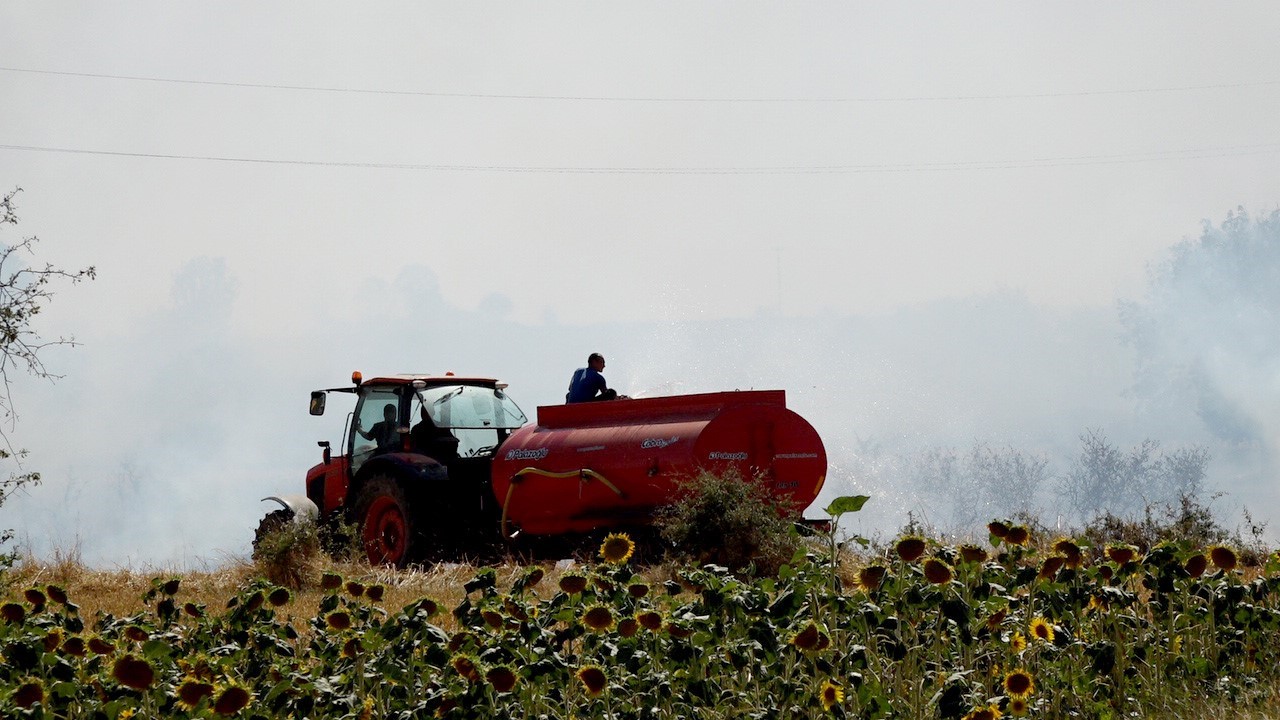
388,527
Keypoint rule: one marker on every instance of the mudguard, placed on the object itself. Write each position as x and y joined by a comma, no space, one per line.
414,467
300,507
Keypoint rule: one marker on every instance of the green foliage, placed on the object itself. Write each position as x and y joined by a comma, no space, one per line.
287,551
1151,635
732,521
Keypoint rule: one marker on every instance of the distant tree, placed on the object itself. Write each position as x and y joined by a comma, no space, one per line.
24,291
1104,480
1205,335
982,484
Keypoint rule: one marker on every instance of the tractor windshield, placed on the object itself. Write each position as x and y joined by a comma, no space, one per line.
471,407
479,417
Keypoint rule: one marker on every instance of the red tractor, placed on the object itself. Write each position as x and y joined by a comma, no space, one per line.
443,465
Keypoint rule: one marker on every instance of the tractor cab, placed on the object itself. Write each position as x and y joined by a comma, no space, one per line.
417,428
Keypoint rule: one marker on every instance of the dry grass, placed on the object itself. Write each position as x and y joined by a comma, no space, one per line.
120,592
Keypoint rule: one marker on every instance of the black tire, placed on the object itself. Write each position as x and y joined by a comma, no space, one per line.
274,522
389,527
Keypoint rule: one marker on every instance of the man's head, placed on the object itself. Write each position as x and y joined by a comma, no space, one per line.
595,361
389,412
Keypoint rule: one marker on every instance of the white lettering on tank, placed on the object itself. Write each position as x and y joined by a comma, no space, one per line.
527,454
660,442
717,455
795,456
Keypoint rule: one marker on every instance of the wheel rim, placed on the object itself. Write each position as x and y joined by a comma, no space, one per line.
386,532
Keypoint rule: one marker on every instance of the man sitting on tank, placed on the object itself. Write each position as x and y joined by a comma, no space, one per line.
588,384
432,440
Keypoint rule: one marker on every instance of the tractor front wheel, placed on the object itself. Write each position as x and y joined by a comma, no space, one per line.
387,523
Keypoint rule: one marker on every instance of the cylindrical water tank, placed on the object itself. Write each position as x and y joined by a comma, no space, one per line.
597,465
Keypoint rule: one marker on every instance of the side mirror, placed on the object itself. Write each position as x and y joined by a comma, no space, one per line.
325,444
317,402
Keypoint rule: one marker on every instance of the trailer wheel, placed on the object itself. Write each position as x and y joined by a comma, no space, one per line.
386,522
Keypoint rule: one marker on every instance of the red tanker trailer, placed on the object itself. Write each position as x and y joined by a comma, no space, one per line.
441,465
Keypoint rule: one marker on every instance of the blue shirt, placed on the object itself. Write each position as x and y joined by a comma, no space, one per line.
585,385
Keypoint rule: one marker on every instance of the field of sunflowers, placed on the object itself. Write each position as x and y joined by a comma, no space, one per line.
1017,626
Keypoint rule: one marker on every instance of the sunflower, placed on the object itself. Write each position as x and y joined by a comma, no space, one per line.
330,581
1018,706
1050,567
191,691
13,612
998,529
279,597
638,589
502,678
808,638
870,577
617,548
678,631
937,572
832,695
1196,565
995,619
75,645
375,592
427,606
352,648
232,700
492,618
254,601
35,597
193,610
466,666
136,634
1070,551
910,548
1040,628
1019,683
53,639
57,594
593,679
1224,558
1018,535
970,553
533,577
649,620
338,620
990,712
133,673
628,627
573,583
100,646
28,693
598,618
1121,555
1017,642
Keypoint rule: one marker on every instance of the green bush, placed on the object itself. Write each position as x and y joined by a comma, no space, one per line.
287,551
730,521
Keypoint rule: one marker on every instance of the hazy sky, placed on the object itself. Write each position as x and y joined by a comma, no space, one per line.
267,189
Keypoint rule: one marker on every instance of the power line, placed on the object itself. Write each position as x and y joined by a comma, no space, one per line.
642,98
1068,161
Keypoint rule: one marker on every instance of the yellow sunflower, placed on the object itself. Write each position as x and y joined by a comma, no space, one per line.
573,583
1040,628
617,548
28,693
1018,706
1224,558
937,572
1017,642
1019,683
832,695
133,673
